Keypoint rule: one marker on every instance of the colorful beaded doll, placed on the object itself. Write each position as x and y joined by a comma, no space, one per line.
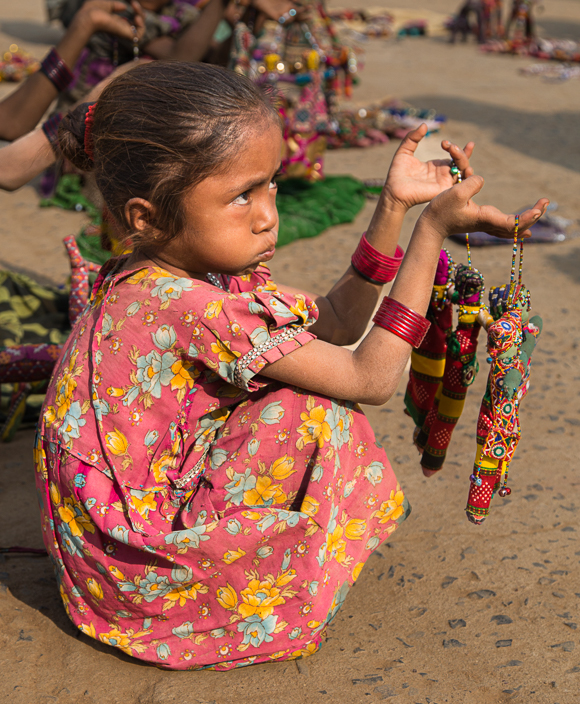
428,360
460,370
511,341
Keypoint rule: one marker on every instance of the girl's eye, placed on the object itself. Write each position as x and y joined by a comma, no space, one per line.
273,183
242,199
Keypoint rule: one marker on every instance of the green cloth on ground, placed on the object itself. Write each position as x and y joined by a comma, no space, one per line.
308,208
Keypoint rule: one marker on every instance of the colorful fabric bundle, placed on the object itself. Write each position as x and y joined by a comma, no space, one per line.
460,369
428,360
511,341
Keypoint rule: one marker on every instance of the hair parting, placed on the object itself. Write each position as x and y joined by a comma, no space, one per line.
157,131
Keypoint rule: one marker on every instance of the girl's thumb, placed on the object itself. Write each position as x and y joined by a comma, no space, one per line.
469,187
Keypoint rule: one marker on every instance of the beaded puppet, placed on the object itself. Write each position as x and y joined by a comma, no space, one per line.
460,370
428,360
512,337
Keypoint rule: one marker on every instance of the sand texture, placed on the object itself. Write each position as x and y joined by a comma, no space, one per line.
446,611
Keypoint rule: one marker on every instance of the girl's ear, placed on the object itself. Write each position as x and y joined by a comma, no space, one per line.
139,214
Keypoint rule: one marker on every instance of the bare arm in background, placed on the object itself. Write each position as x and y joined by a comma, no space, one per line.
22,109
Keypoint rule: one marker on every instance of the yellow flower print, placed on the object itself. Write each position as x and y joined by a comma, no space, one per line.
74,515
264,492
49,415
310,506
94,588
252,515
65,598
227,597
181,593
282,468
145,504
117,639
138,276
115,392
225,354
54,493
314,428
65,387
233,555
40,461
357,570
259,598
335,544
88,630
308,650
161,466
392,509
183,377
285,578
355,529
300,309
116,442
213,309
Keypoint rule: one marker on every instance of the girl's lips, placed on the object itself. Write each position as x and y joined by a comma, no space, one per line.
266,256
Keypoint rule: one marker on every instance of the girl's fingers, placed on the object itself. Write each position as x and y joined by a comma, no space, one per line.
409,144
468,149
531,216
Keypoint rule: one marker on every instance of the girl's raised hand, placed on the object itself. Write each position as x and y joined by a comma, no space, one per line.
454,212
411,181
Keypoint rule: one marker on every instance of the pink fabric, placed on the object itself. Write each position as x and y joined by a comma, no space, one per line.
194,523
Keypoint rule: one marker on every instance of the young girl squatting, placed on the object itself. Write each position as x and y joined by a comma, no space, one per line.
209,487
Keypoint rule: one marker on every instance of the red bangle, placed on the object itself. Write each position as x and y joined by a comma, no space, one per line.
374,266
401,321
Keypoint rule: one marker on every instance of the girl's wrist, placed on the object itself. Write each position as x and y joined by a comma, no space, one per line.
430,226
391,205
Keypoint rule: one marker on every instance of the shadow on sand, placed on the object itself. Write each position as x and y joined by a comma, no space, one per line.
516,129
31,31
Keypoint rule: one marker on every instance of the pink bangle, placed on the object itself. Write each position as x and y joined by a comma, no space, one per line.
401,321
374,266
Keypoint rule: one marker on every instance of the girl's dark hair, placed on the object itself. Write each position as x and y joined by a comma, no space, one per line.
160,129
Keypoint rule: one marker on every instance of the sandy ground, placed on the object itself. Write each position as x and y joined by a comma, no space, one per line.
446,611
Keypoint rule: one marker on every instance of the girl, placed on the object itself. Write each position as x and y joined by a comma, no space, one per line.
207,498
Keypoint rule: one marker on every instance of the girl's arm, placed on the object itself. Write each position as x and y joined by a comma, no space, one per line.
345,311
31,154
24,159
22,109
372,372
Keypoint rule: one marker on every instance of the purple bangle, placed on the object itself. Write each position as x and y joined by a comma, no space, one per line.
50,129
55,69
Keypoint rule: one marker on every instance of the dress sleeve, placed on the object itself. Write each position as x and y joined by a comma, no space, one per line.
238,334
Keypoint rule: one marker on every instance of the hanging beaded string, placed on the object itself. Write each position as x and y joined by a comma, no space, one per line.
135,43
456,172
513,286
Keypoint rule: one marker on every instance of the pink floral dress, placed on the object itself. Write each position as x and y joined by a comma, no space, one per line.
198,514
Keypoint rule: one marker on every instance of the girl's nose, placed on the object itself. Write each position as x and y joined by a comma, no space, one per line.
266,216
